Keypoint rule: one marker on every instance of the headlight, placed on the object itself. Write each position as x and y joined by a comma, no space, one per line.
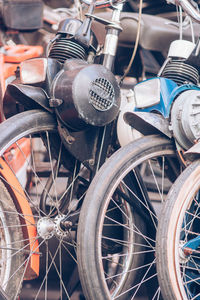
33,70
147,93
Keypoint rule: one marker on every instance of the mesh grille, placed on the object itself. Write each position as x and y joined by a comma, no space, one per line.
180,72
102,94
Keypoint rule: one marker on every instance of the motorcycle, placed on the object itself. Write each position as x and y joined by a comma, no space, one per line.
117,255
178,230
12,32
65,105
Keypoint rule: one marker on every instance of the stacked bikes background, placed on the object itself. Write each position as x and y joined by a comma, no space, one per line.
99,150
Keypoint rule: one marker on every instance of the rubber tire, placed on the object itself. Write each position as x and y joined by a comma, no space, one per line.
95,199
11,130
175,205
21,124
14,237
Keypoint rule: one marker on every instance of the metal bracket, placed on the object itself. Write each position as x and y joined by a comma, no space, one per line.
65,135
104,21
53,102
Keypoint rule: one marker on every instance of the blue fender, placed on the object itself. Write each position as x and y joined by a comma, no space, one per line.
154,119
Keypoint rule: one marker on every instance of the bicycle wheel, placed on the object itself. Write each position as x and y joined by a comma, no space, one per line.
178,238
35,251
118,220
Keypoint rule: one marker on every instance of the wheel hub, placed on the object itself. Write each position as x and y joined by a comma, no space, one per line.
46,228
62,230
182,255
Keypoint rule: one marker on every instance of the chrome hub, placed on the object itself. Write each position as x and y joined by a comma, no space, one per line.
182,256
46,228
62,231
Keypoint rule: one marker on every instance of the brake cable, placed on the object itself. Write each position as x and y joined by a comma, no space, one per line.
136,43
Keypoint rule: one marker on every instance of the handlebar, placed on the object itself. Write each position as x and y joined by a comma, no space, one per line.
97,3
188,8
102,3
185,4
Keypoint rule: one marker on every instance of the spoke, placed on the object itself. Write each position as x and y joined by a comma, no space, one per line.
163,176
196,296
126,254
188,268
21,195
145,203
71,187
73,181
101,148
197,266
120,209
47,262
26,265
61,281
157,294
138,285
195,216
38,163
32,168
73,244
20,214
192,232
184,276
146,238
192,215
78,200
60,263
192,280
117,241
156,182
110,278
22,249
16,226
192,256
121,242
121,205
48,269
129,271
22,240
70,254
26,261
144,279
152,214
52,170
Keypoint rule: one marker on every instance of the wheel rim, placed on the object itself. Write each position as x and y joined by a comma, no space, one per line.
185,251
5,240
55,223
141,241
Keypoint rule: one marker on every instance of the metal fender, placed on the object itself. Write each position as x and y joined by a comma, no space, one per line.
126,133
30,97
193,153
148,123
29,231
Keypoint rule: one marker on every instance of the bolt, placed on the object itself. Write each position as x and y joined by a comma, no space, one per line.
91,162
70,139
66,225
